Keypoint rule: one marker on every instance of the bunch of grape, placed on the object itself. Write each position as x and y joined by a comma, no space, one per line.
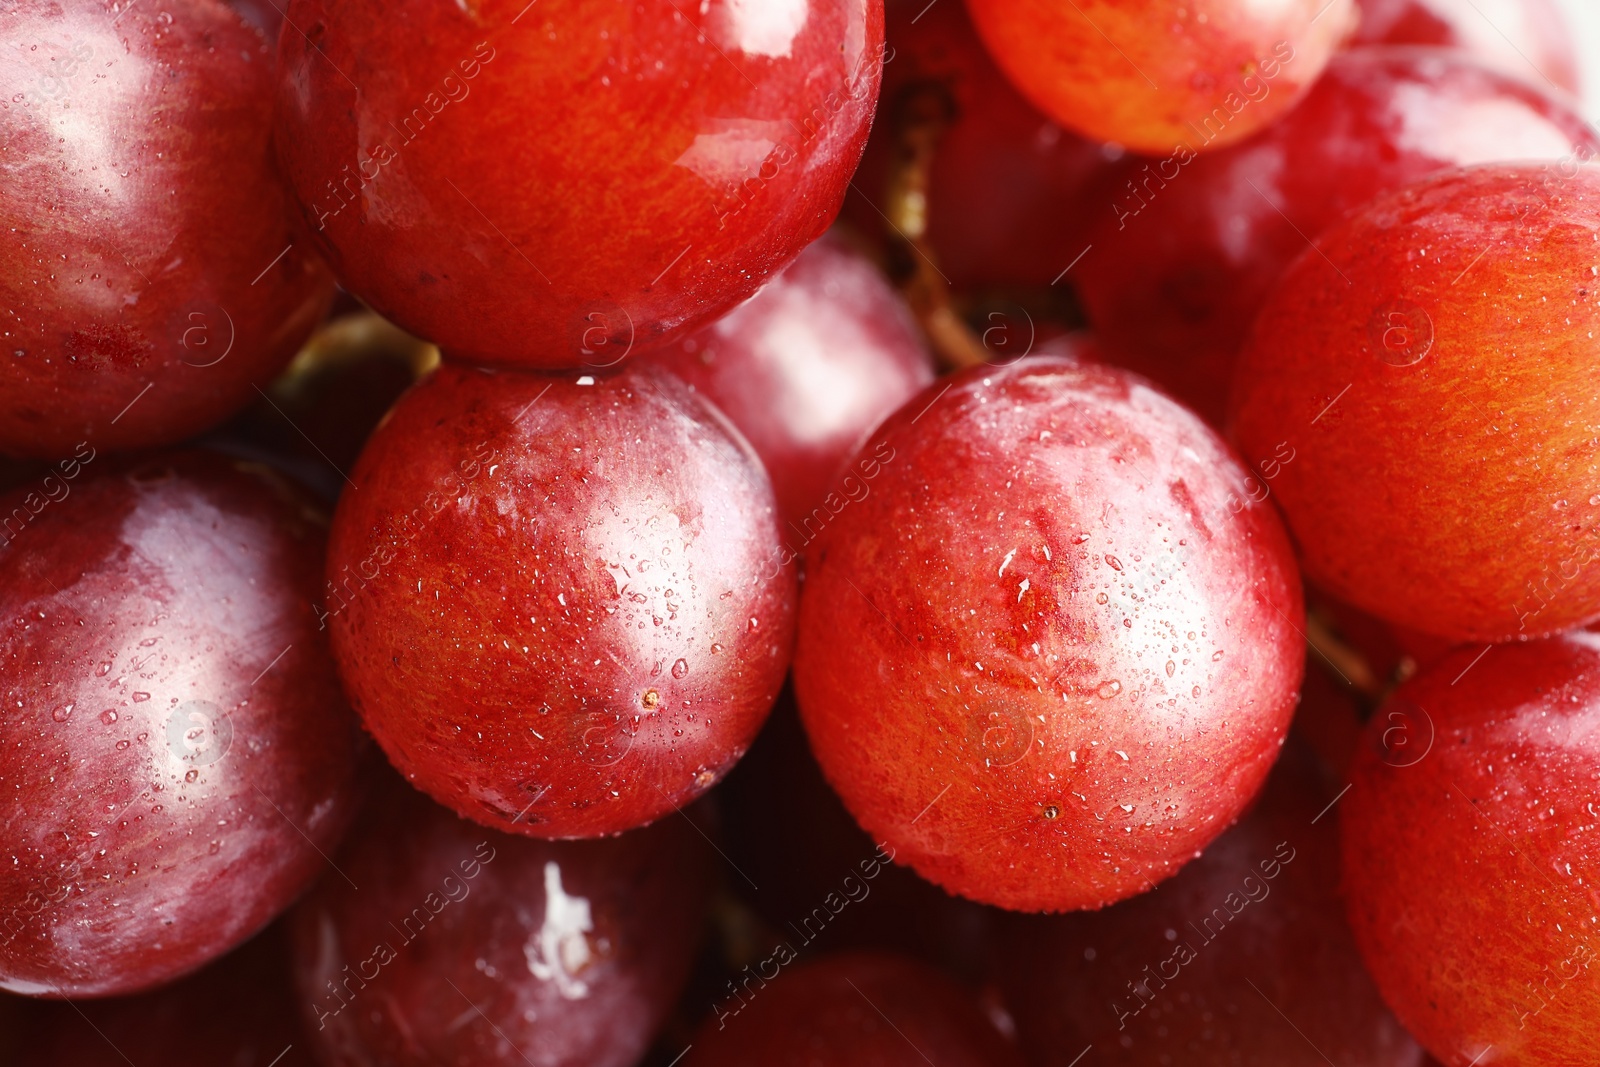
492,572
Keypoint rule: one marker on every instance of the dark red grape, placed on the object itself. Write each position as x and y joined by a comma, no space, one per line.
1528,38
1007,191
1184,257
1157,74
816,879
560,605
1431,364
237,1012
154,270
1469,853
699,147
1053,653
1243,959
176,759
806,369
850,1010
456,946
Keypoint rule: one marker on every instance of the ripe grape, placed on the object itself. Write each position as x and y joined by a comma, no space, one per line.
1243,958
1431,364
456,946
1183,258
1163,76
851,1010
1469,855
806,369
1528,38
176,755
154,269
698,148
559,604
1054,652
239,1011
816,879
1005,187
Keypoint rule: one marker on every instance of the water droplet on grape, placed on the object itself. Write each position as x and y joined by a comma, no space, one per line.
680,668
1171,668
191,776
1109,689
1100,598
62,713
108,716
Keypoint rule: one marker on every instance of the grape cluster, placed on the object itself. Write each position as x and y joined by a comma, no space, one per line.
864,532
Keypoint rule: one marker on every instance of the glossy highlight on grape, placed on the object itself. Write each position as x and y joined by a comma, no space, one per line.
154,271
1469,855
456,946
177,757
698,149
806,369
560,604
1054,653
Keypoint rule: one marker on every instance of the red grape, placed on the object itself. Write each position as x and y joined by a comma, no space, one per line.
560,604
851,1010
698,148
1053,652
1431,364
1469,855
806,369
1163,75
155,270
1528,38
176,756
1244,958
816,879
1006,186
1183,259
237,1012
456,946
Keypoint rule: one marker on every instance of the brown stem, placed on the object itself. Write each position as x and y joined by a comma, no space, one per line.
920,120
1346,662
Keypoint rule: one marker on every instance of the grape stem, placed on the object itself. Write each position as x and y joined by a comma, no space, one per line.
921,116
